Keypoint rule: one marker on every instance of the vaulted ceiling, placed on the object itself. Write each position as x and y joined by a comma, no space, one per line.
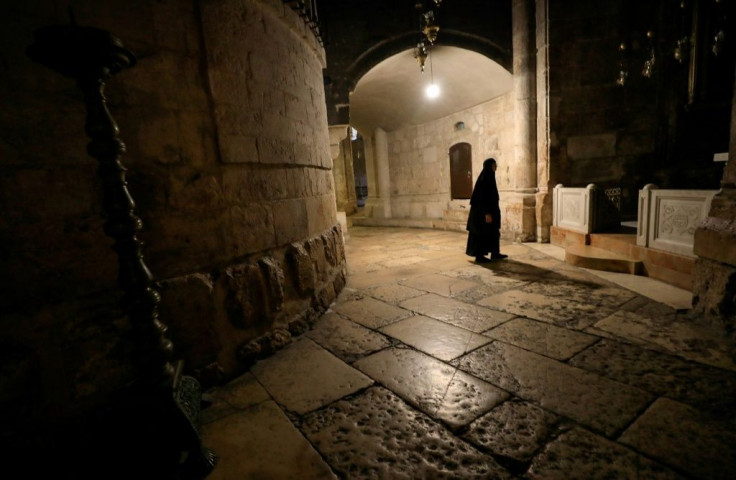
372,79
393,93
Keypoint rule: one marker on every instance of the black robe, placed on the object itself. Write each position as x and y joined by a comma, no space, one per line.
484,237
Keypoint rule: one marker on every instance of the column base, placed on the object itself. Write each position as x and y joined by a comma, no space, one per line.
377,208
518,216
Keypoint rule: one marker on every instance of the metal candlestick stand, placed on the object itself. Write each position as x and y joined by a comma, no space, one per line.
163,406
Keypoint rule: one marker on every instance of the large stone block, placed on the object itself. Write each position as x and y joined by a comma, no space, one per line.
187,308
246,290
290,220
252,228
301,268
195,191
714,294
592,146
321,212
328,242
274,151
316,249
275,279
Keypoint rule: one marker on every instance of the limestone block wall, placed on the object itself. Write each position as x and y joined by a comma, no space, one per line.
228,161
625,136
419,156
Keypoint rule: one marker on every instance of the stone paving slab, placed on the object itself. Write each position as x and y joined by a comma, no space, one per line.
370,312
671,335
239,394
579,454
436,388
449,262
515,270
565,272
261,442
436,338
386,276
490,278
403,261
557,311
543,338
305,376
470,317
594,401
678,435
661,292
514,429
708,388
347,340
538,260
375,435
581,292
440,284
393,293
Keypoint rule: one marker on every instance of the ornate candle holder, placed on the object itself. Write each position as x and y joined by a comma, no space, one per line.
167,402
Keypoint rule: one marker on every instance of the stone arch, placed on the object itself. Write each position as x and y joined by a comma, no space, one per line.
451,38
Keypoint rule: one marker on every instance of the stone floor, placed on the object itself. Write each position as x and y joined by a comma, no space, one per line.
430,366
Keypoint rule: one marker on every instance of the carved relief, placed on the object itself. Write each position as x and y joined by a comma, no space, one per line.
678,220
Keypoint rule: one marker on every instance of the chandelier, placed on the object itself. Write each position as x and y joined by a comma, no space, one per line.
428,29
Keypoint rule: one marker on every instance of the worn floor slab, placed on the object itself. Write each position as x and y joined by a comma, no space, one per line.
543,338
436,388
597,402
470,317
376,435
553,309
514,429
345,339
581,454
430,366
261,442
305,377
679,435
439,339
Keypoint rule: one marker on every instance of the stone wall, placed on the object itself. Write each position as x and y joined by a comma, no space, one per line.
419,158
641,132
714,289
228,161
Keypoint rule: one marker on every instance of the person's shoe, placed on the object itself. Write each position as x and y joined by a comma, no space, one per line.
482,260
498,256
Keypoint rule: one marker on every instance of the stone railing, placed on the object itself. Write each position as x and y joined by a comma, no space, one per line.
668,218
573,209
586,210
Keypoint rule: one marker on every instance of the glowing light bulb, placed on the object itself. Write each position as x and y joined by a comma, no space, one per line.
433,90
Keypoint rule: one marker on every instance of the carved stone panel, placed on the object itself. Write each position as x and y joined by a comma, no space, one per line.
676,216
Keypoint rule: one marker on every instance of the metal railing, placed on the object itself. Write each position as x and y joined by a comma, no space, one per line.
307,9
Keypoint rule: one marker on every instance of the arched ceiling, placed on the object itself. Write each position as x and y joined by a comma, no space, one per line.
392,94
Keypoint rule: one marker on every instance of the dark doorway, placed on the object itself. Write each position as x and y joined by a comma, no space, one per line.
461,171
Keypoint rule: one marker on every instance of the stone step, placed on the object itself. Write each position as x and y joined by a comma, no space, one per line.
599,259
621,243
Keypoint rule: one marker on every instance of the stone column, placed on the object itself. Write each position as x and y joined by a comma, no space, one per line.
544,175
377,167
524,165
714,286
338,133
371,176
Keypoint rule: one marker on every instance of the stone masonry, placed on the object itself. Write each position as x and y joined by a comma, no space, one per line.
228,160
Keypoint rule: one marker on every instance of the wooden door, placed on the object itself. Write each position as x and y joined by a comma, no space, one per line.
461,171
